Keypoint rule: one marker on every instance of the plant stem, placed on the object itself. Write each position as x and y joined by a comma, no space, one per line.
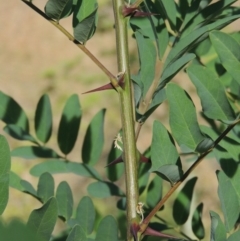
112,78
127,114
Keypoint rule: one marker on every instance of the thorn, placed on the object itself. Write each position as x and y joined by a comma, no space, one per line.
135,12
134,228
152,232
145,159
116,161
108,86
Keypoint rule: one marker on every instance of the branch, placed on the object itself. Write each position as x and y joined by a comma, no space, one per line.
146,221
112,78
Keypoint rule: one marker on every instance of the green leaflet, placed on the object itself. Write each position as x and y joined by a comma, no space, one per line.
45,188
158,98
229,144
154,192
12,113
143,176
182,204
85,214
18,133
58,9
33,152
230,206
65,200
55,166
42,220
15,181
228,52
197,225
170,10
5,165
104,189
187,42
183,119
16,230
76,234
107,230
235,236
163,150
194,18
214,101
94,139
69,124
218,231
158,34
171,173
85,20
172,69
28,188
230,167
43,119
147,58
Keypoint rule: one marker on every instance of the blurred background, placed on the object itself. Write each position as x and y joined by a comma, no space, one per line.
36,58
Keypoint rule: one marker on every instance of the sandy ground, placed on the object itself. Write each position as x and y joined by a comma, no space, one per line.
35,58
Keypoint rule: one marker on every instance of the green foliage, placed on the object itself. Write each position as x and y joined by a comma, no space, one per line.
94,140
42,220
5,165
43,119
69,125
170,36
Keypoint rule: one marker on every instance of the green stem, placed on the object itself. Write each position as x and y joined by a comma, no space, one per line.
127,114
